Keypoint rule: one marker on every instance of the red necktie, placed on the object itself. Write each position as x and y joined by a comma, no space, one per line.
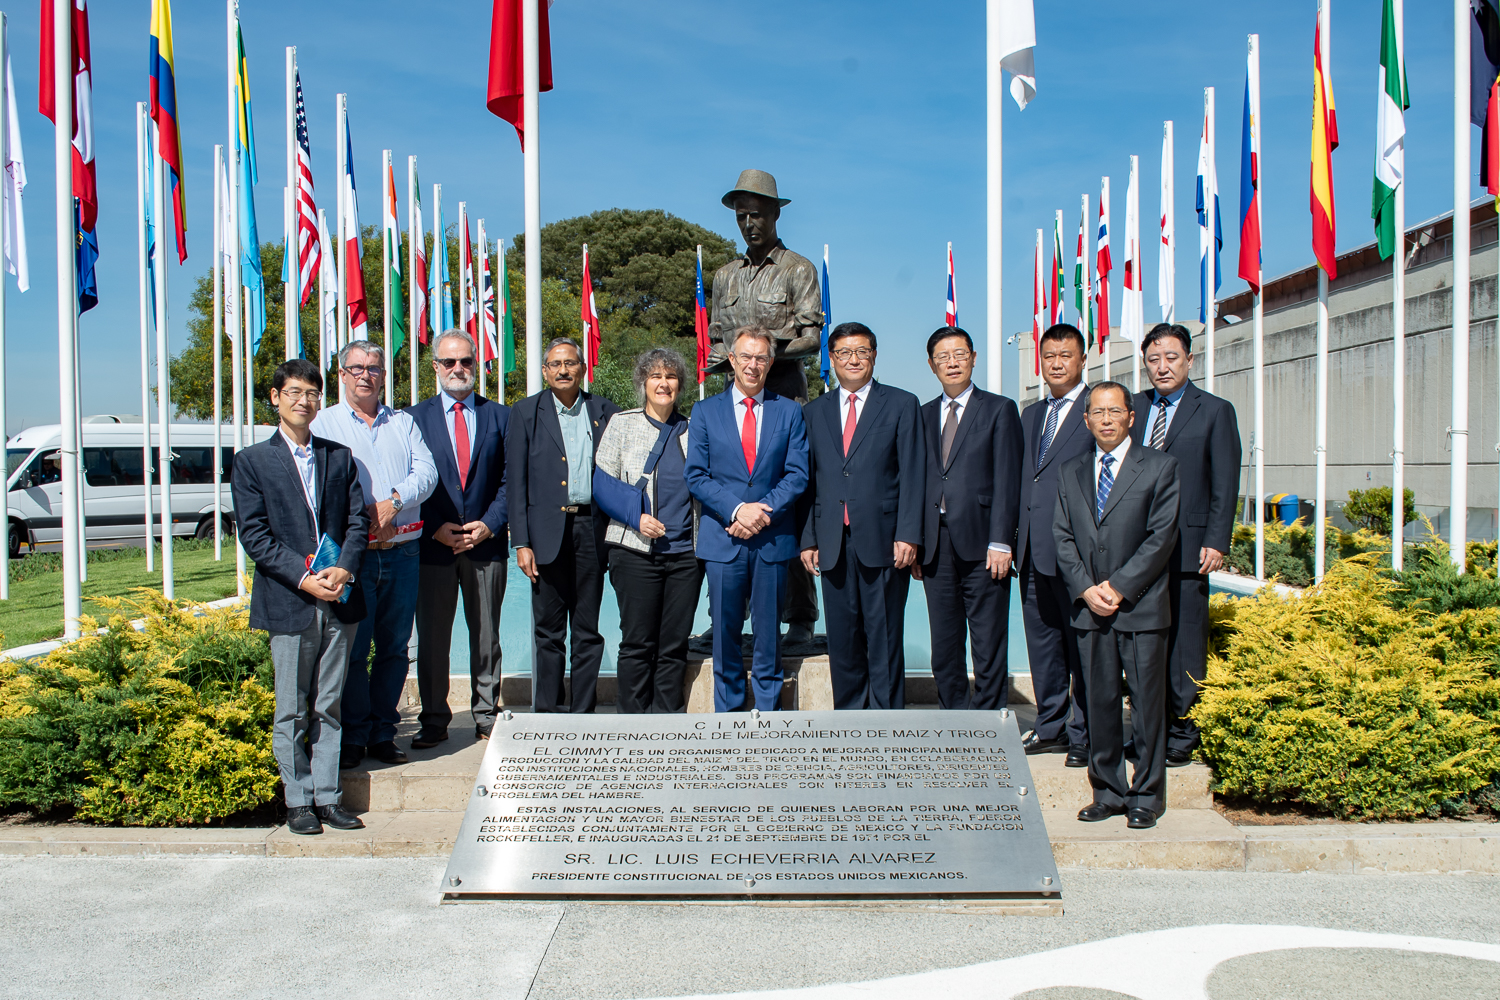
461,444
849,436
747,435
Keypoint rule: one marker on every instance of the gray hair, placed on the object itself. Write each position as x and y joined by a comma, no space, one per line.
656,359
754,333
562,342
455,335
368,346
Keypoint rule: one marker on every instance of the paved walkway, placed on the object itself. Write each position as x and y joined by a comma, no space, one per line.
369,927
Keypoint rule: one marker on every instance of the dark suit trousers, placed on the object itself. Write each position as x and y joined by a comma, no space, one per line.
963,597
1187,655
1112,660
1052,647
865,608
482,582
747,583
658,597
568,589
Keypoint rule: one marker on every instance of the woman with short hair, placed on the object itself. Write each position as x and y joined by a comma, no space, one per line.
653,565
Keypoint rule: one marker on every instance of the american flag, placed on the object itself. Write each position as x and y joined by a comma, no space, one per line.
309,247
950,314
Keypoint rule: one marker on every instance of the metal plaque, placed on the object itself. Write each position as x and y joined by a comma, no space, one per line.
777,805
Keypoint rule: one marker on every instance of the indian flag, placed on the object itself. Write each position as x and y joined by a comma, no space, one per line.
1390,130
393,254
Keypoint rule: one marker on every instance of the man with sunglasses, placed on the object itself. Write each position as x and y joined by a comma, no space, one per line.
397,473
464,545
557,532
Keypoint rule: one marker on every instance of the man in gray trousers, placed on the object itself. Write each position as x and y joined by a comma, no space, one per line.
289,491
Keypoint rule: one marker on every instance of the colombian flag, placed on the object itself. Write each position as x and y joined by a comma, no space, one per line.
164,113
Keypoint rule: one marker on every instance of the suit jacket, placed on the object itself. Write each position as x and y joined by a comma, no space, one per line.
881,479
1130,546
537,466
718,479
982,480
483,497
1204,437
277,529
1039,485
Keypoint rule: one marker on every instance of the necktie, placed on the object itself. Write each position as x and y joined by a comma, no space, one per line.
1049,429
1159,428
950,430
849,436
461,444
1106,480
747,435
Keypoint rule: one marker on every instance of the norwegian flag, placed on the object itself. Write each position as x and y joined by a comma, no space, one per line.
309,247
950,314
590,317
1103,266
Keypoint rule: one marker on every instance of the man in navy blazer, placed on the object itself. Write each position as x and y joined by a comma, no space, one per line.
557,530
747,465
869,471
1054,433
464,544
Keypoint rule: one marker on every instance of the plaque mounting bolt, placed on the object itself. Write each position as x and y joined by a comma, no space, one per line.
1004,714
481,790
455,881
749,883
506,715
1023,790
755,713
1046,880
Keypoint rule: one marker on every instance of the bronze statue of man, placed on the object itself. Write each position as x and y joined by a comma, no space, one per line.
771,287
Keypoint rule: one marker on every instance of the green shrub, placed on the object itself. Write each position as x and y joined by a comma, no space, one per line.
1290,550
165,726
1342,702
1371,509
1430,579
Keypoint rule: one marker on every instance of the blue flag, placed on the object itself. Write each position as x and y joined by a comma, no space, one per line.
250,272
86,255
823,365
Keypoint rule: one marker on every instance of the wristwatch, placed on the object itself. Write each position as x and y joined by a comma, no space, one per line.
396,502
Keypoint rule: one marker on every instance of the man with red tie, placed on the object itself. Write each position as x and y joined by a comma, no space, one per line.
862,521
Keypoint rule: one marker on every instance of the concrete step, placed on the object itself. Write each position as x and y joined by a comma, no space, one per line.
1182,840
440,778
386,835
1067,790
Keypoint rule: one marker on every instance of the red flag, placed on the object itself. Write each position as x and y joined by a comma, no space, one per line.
590,317
85,186
507,79
1491,139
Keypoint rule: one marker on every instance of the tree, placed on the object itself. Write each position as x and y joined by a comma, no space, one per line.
1372,509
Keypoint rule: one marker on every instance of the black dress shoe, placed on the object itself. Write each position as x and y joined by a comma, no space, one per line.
387,752
350,754
1179,758
339,818
1034,744
1141,819
302,820
1077,756
1099,811
429,738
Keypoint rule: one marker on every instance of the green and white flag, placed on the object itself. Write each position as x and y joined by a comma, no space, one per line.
507,317
1390,131
393,258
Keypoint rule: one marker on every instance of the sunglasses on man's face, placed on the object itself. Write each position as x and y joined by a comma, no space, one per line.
449,363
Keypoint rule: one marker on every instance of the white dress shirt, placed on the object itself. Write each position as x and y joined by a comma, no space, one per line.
861,397
304,459
962,399
469,422
1118,453
1066,407
740,408
390,455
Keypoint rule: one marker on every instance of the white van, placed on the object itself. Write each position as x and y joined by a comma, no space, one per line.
113,504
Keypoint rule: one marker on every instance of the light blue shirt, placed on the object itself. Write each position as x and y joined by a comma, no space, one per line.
302,455
578,444
469,423
1172,402
388,455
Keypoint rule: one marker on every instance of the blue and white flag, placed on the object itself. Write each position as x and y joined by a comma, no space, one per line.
1208,190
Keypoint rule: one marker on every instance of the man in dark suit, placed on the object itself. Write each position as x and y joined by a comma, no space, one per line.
864,527
974,445
289,491
463,539
747,465
1200,431
556,531
1115,528
1055,433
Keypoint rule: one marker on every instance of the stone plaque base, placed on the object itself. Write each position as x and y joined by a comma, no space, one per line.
781,806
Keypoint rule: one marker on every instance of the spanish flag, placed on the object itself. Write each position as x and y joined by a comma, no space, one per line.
1325,139
164,113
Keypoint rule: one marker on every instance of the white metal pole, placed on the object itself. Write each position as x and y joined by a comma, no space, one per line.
439,280
1210,307
218,353
1320,445
1458,487
142,154
233,290
386,250
1259,445
533,169
585,292
294,272
163,390
994,97
463,288
703,378
481,322
62,86
1133,254
341,108
4,161
414,332
1168,223
1398,373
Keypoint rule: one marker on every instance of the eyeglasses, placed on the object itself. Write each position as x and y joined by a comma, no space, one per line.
449,363
947,356
374,371
754,360
297,395
568,363
1114,412
862,353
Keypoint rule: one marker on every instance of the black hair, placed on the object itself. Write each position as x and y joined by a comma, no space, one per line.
1162,331
1088,399
943,333
1066,331
850,330
299,369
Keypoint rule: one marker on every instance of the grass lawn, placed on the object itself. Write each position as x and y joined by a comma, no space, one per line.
34,612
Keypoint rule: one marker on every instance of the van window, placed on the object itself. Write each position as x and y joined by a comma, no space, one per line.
14,459
112,466
193,466
45,468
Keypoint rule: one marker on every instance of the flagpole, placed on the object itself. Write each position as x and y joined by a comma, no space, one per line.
386,251
142,151
1169,224
587,332
62,86
531,76
233,290
14,249
218,353
163,392
292,267
1458,486
438,281
463,290
1259,446
342,319
1210,260
414,333
994,95
703,378
1136,296
481,309
1101,280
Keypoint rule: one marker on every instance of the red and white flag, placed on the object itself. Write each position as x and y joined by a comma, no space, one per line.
590,317
950,313
85,182
418,234
1132,308
506,91
309,248
354,245
1102,269
470,317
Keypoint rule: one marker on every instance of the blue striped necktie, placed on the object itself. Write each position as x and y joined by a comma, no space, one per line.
1106,480
1049,429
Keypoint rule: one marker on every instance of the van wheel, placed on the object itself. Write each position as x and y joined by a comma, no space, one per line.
206,527
16,531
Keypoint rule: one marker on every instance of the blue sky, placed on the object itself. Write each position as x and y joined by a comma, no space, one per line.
870,114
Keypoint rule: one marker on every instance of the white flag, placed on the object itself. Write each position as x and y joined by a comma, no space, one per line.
228,250
1166,254
328,298
1016,38
15,182
1132,323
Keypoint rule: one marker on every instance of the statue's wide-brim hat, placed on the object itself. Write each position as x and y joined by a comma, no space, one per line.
755,182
